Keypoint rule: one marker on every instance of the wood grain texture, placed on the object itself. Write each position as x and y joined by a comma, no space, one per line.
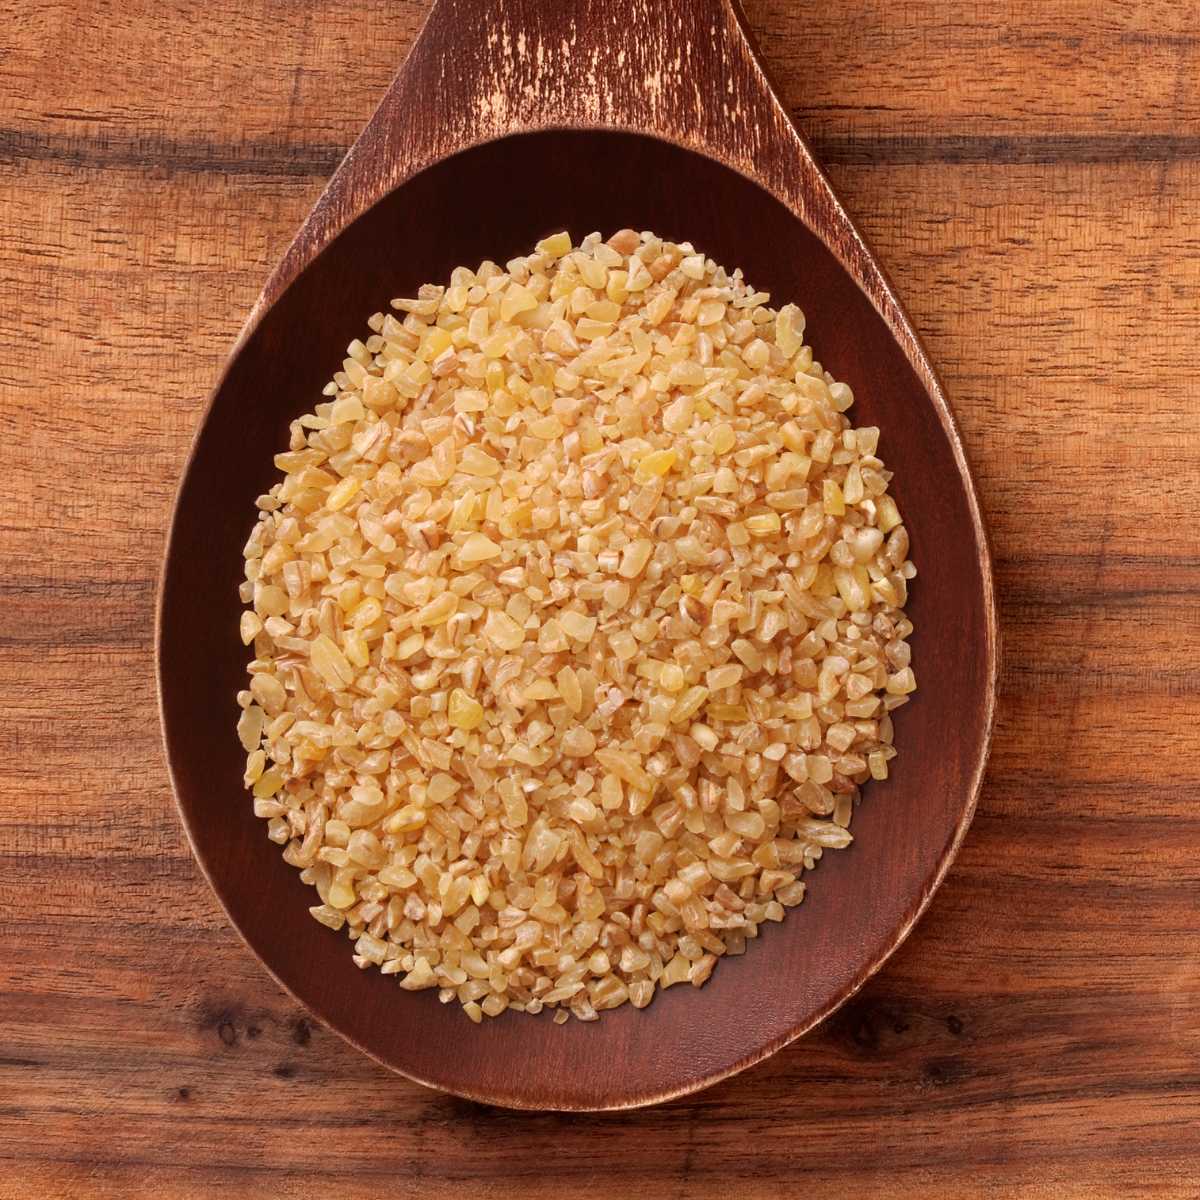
1031,178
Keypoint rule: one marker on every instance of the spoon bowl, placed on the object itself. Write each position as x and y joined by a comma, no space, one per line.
587,140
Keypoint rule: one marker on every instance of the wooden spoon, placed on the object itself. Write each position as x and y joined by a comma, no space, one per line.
512,119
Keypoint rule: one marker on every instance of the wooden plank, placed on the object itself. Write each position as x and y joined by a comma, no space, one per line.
1031,180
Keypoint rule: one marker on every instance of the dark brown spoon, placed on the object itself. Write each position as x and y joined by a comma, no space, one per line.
509,120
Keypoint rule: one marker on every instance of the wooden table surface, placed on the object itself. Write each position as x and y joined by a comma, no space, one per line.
1030,173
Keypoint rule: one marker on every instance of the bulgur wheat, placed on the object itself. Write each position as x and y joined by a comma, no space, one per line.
577,623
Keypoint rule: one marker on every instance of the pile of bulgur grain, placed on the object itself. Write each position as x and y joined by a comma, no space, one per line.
578,622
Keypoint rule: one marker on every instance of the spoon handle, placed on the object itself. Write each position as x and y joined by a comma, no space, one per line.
682,70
